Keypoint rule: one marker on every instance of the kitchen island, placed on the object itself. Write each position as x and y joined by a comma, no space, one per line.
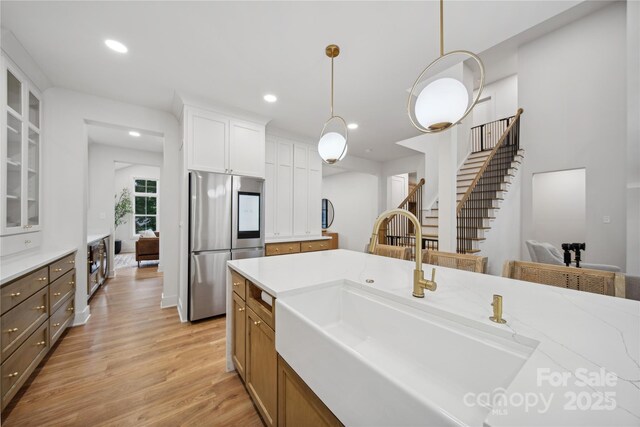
348,326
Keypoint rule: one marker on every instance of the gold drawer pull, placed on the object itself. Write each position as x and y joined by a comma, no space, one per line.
17,294
57,270
72,283
257,322
241,309
236,284
277,249
41,279
290,248
41,343
73,261
40,307
15,374
55,325
12,330
57,294
70,309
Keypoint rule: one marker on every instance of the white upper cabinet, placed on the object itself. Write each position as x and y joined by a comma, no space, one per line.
217,143
300,190
279,188
20,207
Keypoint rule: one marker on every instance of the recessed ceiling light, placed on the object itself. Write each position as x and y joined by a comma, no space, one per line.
352,126
134,133
116,45
270,98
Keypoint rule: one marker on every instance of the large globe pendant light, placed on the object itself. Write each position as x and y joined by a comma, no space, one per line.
332,145
443,101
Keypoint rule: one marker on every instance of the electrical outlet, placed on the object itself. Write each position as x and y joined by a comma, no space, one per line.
606,219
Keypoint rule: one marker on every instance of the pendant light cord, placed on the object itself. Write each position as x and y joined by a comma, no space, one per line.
331,86
441,28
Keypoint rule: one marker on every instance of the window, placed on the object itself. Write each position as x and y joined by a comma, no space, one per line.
145,192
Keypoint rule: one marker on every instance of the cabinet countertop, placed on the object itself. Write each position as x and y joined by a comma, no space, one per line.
295,239
20,264
575,330
95,237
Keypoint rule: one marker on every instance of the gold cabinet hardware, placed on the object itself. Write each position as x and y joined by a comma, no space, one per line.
290,248
12,330
73,261
236,284
257,322
57,270
40,307
57,294
72,283
241,309
55,325
16,294
277,249
497,310
41,279
15,374
70,309
310,246
41,343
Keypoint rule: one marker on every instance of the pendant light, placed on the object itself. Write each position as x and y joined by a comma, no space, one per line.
332,145
442,102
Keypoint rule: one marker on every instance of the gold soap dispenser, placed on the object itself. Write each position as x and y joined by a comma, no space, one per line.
497,310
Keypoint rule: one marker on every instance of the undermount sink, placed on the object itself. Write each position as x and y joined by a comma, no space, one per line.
374,361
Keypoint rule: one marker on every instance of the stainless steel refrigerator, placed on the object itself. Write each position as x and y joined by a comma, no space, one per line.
226,221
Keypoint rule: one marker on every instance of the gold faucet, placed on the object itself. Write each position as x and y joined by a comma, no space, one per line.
497,310
419,282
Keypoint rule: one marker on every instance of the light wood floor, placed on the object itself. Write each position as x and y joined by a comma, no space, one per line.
135,364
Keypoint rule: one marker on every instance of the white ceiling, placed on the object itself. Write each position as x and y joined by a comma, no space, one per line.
235,52
119,137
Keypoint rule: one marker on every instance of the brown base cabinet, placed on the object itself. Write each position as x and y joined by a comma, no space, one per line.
281,396
36,310
295,247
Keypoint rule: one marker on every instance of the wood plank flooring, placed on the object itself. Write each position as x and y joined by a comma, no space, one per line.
135,364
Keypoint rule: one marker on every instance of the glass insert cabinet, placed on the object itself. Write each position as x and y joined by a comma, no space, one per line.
20,154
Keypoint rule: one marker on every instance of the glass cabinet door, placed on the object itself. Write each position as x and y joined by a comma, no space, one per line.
33,163
14,132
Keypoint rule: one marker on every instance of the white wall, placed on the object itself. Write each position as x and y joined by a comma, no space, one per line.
633,138
124,178
65,175
503,239
503,103
559,207
355,200
572,87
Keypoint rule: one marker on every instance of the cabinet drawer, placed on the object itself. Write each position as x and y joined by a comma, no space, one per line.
17,368
315,245
255,302
92,283
18,291
60,289
61,266
22,320
61,319
238,283
283,248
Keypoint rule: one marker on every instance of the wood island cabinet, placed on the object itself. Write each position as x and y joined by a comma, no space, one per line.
281,396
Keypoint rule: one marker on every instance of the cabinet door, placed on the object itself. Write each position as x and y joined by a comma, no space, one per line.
32,161
270,195
300,190
208,141
261,376
314,212
284,189
239,334
247,149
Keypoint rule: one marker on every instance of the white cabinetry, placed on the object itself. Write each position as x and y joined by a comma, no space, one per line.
20,209
293,189
219,143
279,188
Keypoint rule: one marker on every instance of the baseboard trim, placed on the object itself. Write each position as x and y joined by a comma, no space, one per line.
168,301
183,318
82,318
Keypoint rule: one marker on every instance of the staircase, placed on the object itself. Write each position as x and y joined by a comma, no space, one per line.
482,182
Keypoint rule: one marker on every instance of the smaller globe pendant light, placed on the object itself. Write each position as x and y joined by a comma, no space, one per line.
332,145
443,102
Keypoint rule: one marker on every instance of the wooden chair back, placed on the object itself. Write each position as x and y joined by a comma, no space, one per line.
466,262
400,252
581,279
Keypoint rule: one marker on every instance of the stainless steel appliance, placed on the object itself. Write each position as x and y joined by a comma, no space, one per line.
226,221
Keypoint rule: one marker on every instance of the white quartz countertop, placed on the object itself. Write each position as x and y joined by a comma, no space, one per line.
17,265
580,334
95,237
295,239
